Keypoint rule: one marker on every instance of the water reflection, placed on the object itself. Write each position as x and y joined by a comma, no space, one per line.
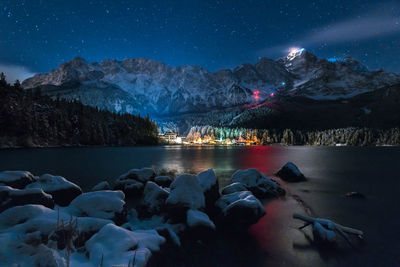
331,172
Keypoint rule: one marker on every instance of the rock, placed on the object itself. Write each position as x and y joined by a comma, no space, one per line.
171,232
209,183
186,193
37,224
104,185
142,175
100,204
260,185
130,187
154,197
355,195
200,227
11,197
290,173
198,219
324,236
164,181
16,179
234,187
116,246
239,210
45,256
62,190
132,182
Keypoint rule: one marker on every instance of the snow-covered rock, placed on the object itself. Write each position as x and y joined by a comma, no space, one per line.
164,180
132,182
324,234
32,218
114,245
104,185
16,179
289,172
154,197
209,183
33,233
232,188
11,197
142,175
198,219
186,193
45,256
99,204
130,187
239,210
257,183
62,190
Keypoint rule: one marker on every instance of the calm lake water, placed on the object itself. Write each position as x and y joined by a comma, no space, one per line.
331,172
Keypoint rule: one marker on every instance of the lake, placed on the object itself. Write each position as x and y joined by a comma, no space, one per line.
331,172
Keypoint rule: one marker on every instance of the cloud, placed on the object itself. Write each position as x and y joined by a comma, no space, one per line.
369,26
14,72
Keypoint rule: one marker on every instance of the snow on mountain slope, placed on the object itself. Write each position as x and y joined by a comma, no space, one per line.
334,78
148,86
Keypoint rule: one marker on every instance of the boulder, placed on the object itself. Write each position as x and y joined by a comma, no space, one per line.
232,188
290,173
45,256
154,197
11,197
198,219
164,181
324,235
62,190
142,175
116,246
46,226
260,185
209,183
99,204
130,187
239,210
199,227
186,193
104,185
16,179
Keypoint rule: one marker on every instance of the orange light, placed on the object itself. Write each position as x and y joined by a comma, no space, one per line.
256,95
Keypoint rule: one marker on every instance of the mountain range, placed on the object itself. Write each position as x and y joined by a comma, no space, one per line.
186,95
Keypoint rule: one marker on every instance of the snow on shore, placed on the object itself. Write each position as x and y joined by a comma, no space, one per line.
97,228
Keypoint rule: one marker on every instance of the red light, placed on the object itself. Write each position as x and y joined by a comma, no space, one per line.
271,94
256,95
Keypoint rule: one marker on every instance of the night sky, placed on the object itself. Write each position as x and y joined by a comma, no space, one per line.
36,36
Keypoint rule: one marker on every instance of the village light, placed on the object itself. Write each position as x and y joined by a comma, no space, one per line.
256,95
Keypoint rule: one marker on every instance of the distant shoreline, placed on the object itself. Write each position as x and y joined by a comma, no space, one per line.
2,147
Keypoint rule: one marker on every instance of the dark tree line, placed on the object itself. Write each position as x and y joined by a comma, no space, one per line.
28,118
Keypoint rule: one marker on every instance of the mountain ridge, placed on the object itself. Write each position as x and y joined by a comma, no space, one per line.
152,87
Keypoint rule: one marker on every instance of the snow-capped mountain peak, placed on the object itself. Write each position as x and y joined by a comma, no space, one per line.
294,52
148,86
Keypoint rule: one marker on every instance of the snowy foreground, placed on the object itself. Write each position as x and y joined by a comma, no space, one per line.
49,221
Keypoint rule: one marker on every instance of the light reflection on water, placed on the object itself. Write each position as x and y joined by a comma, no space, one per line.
331,172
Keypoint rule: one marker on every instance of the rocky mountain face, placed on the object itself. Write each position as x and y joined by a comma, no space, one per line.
150,87
332,78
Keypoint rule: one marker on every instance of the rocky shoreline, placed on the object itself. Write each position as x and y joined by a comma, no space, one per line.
49,220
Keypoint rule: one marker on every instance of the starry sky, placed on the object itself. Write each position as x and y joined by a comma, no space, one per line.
37,35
